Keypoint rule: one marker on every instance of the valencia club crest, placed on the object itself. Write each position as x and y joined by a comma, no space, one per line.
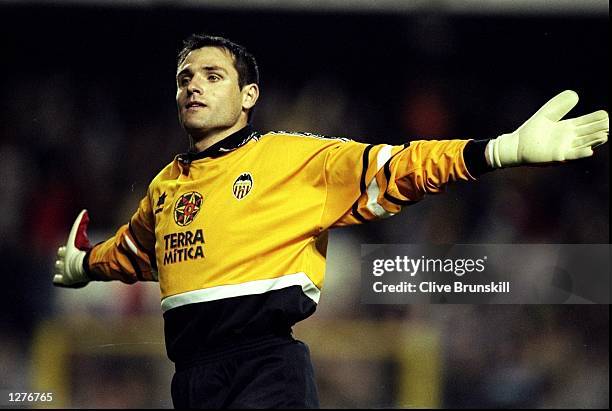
187,208
242,186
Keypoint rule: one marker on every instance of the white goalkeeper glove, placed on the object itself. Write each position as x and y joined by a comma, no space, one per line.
545,138
68,270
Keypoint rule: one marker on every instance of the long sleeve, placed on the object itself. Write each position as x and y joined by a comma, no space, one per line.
129,255
392,177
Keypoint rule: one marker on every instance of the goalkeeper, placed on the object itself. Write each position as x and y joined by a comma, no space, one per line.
235,229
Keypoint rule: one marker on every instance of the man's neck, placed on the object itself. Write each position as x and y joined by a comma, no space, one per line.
214,136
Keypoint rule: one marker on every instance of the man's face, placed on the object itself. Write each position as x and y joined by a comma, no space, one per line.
208,96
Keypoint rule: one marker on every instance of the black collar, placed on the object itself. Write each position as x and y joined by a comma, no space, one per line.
229,143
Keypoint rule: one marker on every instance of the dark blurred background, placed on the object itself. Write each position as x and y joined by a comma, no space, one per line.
87,118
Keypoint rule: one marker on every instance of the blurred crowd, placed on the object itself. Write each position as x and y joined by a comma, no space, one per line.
69,142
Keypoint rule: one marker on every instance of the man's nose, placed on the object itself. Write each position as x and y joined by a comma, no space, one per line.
195,85
194,88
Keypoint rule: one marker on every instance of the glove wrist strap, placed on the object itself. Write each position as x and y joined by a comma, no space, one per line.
503,151
75,267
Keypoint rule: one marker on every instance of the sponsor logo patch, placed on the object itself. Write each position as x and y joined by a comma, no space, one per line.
187,208
183,246
242,186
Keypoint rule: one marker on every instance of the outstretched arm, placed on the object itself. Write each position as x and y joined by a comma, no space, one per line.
406,174
396,177
128,256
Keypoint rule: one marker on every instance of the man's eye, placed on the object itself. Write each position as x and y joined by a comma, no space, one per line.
183,81
213,77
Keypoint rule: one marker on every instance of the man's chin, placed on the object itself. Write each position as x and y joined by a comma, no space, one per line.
195,128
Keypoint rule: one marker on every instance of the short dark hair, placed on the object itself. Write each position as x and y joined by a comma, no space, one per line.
244,62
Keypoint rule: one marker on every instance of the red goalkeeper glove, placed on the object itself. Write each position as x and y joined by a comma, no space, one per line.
68,270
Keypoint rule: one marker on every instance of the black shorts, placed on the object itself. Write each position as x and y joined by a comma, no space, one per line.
272,373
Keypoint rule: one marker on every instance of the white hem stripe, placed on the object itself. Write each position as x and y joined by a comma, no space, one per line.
238,290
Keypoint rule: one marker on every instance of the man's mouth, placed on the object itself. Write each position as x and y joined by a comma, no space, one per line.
194,105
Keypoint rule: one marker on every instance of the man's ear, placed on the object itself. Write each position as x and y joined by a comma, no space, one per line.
250,94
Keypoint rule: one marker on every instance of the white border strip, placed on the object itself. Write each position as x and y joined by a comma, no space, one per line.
237,290
130,244
373,190
471,7
383,156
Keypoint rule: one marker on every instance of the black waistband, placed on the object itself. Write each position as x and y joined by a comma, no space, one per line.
234,348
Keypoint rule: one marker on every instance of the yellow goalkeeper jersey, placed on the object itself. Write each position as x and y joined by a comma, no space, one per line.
236,234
